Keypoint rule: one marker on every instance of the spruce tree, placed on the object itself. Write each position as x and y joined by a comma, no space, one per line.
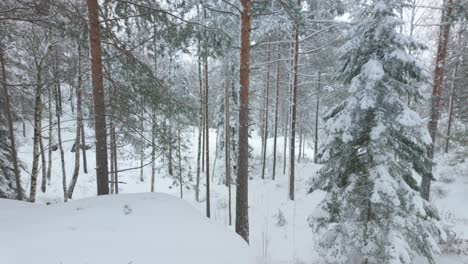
377,148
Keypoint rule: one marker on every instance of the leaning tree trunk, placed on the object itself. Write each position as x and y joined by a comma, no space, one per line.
242,191
79,123
293,115
14,156
275,138
439,73
102,177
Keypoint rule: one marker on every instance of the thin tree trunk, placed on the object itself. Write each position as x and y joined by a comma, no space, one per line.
242,191
83,144
300,140
153,149
293,114
265,127
59,134
227,148
288,111
79,123
452,92
43,164
207,133
51,135
200,132
9,116
102,177
317,108
114,151
142,150
37,133
439,73
179,154
171,141
275,139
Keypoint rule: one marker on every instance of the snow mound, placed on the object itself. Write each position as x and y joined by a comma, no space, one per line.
116,229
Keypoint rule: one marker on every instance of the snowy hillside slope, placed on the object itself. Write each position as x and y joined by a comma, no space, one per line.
279,228
120,229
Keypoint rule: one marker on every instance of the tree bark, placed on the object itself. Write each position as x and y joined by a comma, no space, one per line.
439,73
293,114
37,132
14,155
102,177
275,138
242,194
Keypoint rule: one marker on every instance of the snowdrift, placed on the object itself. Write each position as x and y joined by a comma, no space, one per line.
116,229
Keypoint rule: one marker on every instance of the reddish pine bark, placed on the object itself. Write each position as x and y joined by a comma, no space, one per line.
242,203
98,97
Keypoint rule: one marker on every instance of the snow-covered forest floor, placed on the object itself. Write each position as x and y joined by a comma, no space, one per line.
279,229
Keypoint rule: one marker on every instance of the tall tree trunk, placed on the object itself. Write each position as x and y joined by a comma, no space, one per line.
439,73
275,139
171,141
207,133
242,191
227,148
317,108
51,134
83,144
9,116
102,177
288,110
293,114
200,131
79,123
265,127
37,133
59,124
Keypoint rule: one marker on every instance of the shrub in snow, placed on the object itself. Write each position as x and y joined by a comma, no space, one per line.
377,147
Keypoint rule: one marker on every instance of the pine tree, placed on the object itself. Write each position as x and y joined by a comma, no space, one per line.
373,211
